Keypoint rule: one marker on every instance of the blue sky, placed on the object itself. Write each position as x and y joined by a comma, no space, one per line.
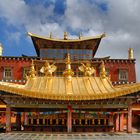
118,19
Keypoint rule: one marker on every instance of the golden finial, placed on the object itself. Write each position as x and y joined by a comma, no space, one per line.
130,54
80,35
1,49
48,69
51,35
102,70
103,35
87,69
65,36
32,72
68,73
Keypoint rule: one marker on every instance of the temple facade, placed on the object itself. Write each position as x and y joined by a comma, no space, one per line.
65,88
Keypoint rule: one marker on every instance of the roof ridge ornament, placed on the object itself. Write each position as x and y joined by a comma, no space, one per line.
51,35
65,35
68,73
48,68
32,72
87,69
80,35
102,70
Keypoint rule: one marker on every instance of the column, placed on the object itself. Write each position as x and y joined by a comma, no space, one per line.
18,121
117,123
129,120
8,118
69,121
121,122
25,118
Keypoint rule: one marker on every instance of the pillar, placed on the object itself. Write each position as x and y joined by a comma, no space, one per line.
117,123
129,120
25,118
18,121
8,119
69,121
121,122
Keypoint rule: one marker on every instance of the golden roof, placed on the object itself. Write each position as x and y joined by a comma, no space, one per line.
78,88
68,87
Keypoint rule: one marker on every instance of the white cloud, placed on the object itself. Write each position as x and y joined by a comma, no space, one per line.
120,21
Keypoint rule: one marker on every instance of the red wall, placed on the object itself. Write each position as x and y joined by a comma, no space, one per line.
113,64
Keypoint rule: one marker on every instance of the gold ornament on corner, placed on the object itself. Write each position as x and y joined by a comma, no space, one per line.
87,69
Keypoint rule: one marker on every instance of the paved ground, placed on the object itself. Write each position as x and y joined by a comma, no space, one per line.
73,136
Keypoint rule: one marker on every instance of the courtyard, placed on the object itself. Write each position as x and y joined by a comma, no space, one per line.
71,136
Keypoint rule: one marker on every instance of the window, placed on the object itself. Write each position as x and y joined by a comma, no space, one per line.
25,72
61,53
7,73
123,74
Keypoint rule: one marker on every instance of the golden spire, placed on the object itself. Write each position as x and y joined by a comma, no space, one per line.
80,35
65,36
68,73
102,70
51,35
32,72
130,54
1,49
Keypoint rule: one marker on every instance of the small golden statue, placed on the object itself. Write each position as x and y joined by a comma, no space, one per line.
48,69
87,69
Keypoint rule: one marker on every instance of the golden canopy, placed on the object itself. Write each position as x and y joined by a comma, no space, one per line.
79,88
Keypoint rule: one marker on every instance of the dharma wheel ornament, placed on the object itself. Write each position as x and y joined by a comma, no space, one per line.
87,69
68,73
32,72
48,69
102,70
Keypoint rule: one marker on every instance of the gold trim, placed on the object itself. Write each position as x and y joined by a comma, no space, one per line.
67,40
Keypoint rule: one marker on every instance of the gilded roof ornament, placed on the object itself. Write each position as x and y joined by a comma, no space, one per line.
65,36
48,69
68,73
51,35
1,49
87,69
102,70
80,35
32,72
130,54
